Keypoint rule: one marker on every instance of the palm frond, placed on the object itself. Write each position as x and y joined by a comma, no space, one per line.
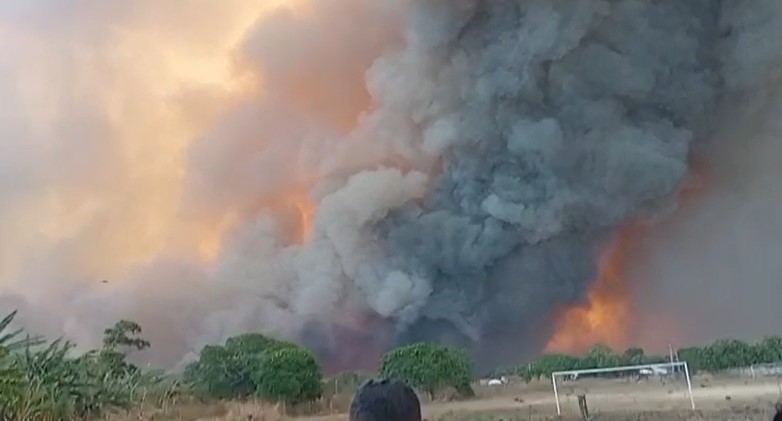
7,340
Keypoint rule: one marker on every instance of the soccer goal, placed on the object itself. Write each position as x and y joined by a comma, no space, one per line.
645,370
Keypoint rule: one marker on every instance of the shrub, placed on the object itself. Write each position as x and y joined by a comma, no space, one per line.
429,367
249,365
218,374
600,356
546,364
694,356
728,353
769,350
289,374
633,356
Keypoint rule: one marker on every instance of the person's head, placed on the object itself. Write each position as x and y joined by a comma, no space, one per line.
778,416
385,400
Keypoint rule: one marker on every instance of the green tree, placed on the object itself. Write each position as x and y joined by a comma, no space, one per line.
232,371
695,358
253,343
769,350
124,335
656,359
289,374
220,374
429,367
546,364
729,353
600,356
118,341
633,356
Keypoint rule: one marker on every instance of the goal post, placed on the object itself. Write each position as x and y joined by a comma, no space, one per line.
655,368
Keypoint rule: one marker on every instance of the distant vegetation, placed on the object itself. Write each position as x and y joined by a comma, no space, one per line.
46,380
718,356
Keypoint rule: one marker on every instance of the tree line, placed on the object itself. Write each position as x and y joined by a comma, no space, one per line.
717,356
727,354
42,379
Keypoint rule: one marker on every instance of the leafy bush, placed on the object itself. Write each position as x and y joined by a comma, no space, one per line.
600,356
769,350
633,356
547,364
249,365
429,367
219,374
289,374
728,353
731,353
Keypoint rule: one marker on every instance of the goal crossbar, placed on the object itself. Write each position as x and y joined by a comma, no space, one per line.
682,364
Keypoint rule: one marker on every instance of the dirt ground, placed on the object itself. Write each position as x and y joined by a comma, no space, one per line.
615,400
716,399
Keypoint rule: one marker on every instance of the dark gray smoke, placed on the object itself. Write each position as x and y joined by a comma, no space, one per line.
711,269
466,161
563,120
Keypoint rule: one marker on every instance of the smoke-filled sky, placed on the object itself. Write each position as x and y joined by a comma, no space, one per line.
359,173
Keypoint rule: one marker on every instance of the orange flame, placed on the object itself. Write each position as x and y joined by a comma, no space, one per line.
296,207
305,206
605,316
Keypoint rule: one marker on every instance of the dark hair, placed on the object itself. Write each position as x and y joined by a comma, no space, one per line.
778,416
385,400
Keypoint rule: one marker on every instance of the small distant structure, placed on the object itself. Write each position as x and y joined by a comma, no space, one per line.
654,370
495,382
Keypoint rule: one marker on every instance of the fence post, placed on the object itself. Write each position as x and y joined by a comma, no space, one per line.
582,406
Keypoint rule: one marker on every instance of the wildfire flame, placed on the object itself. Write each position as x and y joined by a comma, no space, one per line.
604,318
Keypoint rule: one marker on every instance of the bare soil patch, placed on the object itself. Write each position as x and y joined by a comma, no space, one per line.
716,399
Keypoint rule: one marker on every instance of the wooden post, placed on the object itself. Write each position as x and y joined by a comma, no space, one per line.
582,406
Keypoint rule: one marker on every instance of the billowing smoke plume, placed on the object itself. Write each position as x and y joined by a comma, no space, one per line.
349,173
711,269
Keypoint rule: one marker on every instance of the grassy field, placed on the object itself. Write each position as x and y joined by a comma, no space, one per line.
614,400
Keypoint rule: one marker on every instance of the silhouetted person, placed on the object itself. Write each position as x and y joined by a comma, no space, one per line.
778,416
385,400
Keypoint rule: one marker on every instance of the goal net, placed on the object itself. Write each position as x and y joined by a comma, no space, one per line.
567,382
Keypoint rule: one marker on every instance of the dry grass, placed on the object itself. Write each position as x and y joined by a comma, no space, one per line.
194,410
611,400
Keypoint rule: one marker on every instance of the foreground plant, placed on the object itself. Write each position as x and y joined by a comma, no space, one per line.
45,381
